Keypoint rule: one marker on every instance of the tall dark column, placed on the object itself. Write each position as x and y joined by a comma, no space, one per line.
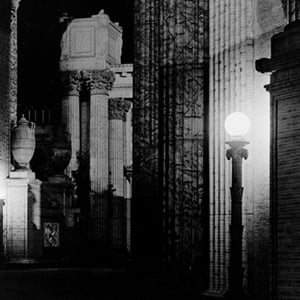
171,50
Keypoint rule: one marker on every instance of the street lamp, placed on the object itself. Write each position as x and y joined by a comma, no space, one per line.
1,224
237,124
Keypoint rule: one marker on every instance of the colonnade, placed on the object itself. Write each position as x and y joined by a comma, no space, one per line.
95,124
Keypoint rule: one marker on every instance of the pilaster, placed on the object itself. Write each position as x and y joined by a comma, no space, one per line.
8,82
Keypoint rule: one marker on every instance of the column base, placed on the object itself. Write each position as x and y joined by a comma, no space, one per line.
236,295
213,295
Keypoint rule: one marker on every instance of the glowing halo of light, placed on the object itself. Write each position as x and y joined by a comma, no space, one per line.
237,124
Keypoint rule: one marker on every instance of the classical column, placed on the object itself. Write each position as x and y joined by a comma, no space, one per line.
127,150
8,82
117,111
170,94
71,114
13,59
101,82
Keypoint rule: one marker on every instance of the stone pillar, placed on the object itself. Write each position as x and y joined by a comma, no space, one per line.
8,81
127,150
170,94
101,82
285,159
19,217
13,84
117,111
71,114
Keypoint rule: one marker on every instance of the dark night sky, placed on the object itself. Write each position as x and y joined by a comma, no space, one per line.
39,35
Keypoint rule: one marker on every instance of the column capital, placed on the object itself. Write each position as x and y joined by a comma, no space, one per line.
99,81
71,82
117,108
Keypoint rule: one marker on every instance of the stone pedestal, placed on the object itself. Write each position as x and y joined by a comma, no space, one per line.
285,159
19,214
59,219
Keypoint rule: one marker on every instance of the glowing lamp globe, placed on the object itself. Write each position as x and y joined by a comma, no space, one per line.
237,124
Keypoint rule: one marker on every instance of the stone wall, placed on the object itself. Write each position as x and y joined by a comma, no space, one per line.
240,32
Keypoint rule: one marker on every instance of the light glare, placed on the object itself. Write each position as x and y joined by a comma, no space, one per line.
237,124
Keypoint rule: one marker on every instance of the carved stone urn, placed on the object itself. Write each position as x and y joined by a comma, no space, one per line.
23,142
60,152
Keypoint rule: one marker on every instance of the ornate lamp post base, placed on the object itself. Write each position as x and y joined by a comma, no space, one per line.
236,153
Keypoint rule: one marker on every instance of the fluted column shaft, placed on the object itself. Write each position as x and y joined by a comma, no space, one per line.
71,115
117,111
100,83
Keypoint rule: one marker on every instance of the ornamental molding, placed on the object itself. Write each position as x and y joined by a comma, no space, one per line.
289,74
118,107
99,81
71,82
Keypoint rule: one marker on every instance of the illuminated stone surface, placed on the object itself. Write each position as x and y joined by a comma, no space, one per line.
91,43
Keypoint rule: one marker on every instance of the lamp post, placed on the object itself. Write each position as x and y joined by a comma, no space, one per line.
236,124
1,225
